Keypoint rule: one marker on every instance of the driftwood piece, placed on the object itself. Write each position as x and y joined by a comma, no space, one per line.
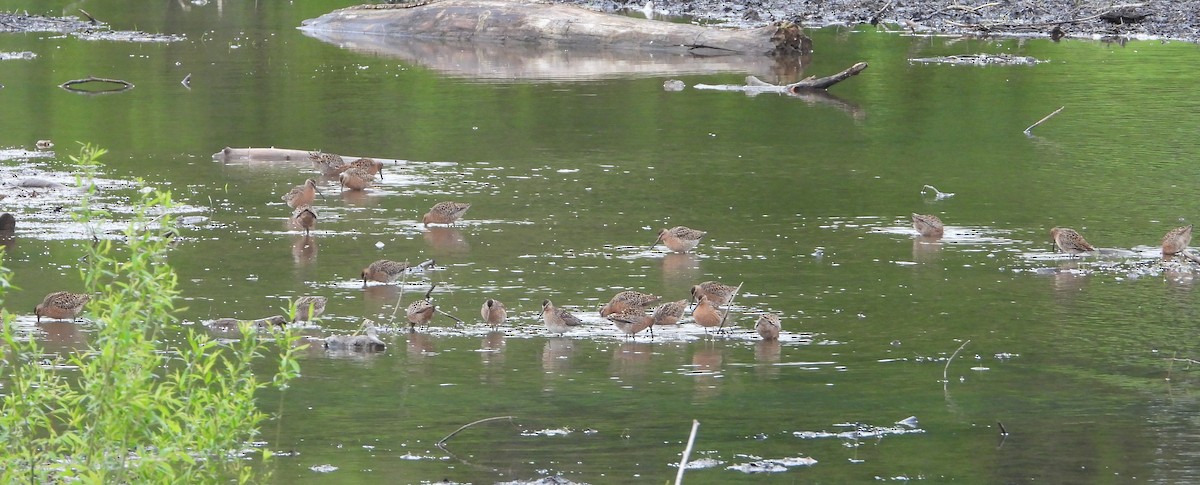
119,84
273,154
555,24
754,85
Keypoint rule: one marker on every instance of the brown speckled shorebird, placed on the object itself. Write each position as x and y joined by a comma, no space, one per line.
309,307
626,300
768,326
419,312
368,341
328,164
558,320
305,217
631,320
1176,240
669,313
235,325
706,313
717,293
356,179
384,271
301,194
493,313
679,238
1069,241
61,305
927,225
445,213
369,165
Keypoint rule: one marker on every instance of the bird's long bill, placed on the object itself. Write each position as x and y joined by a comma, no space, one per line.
655,243
381,174
318,191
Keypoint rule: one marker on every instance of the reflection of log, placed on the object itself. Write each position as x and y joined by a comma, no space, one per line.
554,24
753,85
121,85
272,155
484,60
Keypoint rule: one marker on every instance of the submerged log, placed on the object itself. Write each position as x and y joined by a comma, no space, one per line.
273,154
754,85
555,24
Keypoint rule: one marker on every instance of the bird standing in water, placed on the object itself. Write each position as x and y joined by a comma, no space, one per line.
301,194
61,305
383,271
706,313
1176,240
768,326
305,217
445,213
493,312
680,239
717,293
626,300
1069,241
558,320
927,225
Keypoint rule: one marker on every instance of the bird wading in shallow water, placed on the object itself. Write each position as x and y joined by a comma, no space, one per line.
558,320
305,217
669,313
445,213
301,194
493,312
356,179
706,313
680,239
383,271
768,326
626,300
368,165
1069,241
717,293
631,321
1176,240
309,307
419,312
61,305
927,225
329,164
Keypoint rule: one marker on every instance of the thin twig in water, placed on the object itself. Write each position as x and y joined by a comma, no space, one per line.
452,317
441,443
403,278
1003,431
1043,120
1185,359
687,452
951,359
729,305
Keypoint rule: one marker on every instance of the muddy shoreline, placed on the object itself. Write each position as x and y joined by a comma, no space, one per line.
1161,19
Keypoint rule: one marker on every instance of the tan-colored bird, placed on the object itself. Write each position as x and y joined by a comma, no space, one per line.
61,305
329,164
302,194
305,217
626,300
558,320
356,179
1176,240
706,313
368,165
419,312
1069,241
768,326
631,321
384,271
309,308
445,213
717,293
680,239
669,313
927,225
493,312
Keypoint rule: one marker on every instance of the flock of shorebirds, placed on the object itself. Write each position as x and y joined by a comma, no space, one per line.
630,311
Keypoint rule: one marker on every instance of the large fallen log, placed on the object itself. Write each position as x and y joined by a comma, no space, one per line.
555,24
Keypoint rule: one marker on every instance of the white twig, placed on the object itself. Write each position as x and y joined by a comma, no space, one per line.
687,452
1043,120
951,359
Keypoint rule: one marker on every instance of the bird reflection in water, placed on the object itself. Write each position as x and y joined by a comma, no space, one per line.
631,358
767,353
556,355
926,249
446,240
492,348
706,370
304,250
62,333
680,269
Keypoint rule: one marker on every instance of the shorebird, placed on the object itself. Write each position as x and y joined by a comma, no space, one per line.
558,320
356,179
445,213
679,238
927,225
384,271
234,325
631,320
301,194
706,313
493,313
669,313
1176,241
368,165
305,217
717,293
309,307
419,312
768,326
626,300
328,164
1069,241
368,341
61,305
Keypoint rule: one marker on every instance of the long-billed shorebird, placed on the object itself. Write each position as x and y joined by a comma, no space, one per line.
305,217
558,320
717,293
680,239
768,326
1176,240
706,313
445,213
302,194
368,165
626,300
329,164
383,271
631,320
669,313
309,307
356,179
420,312
493,312
1069,241
927,225
61,305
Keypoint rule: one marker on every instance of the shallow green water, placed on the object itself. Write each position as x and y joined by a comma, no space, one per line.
570,178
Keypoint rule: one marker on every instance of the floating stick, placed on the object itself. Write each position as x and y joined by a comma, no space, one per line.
687,452
1043,120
